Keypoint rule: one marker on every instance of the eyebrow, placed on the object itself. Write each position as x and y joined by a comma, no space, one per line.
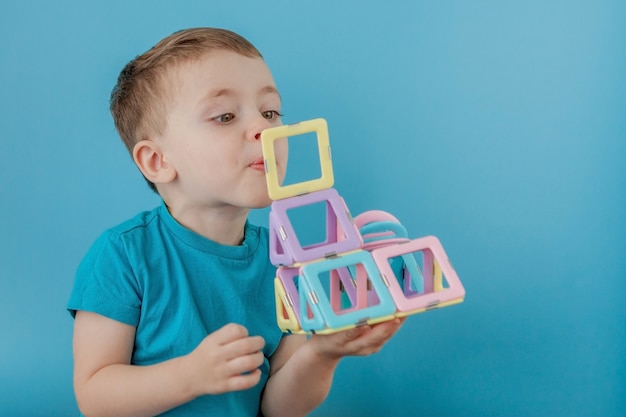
270,89
227,92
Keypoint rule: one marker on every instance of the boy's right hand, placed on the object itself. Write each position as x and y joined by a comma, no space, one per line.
226,360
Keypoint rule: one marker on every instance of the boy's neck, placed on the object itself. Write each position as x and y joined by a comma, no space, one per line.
221,225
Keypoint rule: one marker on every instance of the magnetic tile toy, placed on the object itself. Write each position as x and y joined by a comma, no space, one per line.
430,294
364,272
276,190
285,247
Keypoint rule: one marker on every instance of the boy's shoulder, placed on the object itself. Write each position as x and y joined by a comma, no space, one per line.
138,222
135,229
158,227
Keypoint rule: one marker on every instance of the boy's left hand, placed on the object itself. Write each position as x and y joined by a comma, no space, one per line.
302,370
359,341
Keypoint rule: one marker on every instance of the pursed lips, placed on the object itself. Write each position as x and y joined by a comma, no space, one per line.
258,164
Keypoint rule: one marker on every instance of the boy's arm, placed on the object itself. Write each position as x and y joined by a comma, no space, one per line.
107,385
302,370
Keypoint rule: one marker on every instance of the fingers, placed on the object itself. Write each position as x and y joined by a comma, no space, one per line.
375,337
227,360
242,347
244,364
241,352
359,341
384,331
229,333
243,382
376,333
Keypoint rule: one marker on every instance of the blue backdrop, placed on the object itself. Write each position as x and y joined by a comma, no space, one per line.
497,126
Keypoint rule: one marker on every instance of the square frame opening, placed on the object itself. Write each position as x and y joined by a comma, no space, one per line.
275,190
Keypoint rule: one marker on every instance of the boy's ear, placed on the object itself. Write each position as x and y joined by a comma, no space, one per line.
152,163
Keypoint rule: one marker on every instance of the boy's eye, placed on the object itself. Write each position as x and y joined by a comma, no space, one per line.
224,118
271,114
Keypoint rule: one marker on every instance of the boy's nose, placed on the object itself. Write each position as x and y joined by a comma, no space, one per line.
256,125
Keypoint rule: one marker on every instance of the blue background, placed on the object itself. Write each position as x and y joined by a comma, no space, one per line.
498,126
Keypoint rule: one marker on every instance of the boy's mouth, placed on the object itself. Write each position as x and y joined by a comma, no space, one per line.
258,164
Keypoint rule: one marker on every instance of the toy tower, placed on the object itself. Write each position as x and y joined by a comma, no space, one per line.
366,270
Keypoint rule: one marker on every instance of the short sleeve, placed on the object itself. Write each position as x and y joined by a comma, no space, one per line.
105,282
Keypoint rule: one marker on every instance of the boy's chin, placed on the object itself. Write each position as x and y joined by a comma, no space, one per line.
260,203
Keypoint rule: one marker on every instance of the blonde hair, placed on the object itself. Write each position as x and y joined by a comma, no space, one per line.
139,99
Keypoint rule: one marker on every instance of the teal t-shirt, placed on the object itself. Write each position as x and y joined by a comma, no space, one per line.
176,287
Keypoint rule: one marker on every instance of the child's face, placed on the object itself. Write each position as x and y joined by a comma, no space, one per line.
222,103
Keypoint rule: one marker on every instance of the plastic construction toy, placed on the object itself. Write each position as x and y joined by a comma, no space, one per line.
325,181
366,270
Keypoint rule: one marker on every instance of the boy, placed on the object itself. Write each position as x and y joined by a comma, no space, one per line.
174,309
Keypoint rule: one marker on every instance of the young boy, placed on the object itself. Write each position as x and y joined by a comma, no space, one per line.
174,309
